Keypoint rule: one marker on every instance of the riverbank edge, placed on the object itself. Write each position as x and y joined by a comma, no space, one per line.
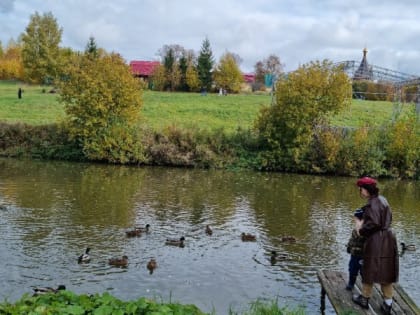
187,148
59,301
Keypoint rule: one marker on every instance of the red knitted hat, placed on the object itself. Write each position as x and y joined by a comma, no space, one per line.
366,181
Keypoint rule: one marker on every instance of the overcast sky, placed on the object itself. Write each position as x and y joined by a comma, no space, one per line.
298,31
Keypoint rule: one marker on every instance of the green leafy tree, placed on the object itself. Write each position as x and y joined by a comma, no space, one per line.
303,101
40,51
205,65
227,73
91,48
172,71
103,102
183,66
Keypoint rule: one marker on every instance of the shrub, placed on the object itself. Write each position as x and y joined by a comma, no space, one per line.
403,147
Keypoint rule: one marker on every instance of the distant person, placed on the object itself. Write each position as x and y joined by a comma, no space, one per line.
20,91
355,249
380,250
203,91
220,92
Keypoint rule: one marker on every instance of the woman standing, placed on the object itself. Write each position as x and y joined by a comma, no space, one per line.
380,251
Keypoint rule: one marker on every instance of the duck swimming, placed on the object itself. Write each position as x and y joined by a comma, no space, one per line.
274,257
45,290
151,265
84,258
209,231
288,238
409,247
133,233
246,237
121,262
175,242
143,229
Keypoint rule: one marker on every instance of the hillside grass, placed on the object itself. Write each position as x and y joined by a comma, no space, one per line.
183,110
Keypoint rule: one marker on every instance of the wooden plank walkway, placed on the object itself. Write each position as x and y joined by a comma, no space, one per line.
333,285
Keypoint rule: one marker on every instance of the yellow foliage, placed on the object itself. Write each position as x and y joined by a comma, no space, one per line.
102,102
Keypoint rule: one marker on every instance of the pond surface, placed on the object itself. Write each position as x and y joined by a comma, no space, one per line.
51,211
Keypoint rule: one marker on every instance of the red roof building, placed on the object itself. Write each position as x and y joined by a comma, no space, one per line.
143,68
249,77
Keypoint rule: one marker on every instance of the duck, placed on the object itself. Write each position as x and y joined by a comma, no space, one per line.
409,247
84,258
45,290
209,231
288,238
151,265
175,242
121,262
246,237
144,229
274,257
133,233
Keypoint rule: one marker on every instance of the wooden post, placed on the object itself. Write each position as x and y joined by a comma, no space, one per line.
322,308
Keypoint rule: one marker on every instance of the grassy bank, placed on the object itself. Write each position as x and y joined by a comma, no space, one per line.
183,110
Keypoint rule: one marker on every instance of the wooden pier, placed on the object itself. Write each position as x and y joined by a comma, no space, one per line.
333,285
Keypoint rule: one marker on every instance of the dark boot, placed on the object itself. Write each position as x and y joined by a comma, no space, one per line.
386,309
361,300
350,284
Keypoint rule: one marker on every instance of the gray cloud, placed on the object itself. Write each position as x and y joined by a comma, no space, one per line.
6,5
298,31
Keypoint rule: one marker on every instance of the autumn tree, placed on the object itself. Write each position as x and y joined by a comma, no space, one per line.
102,102
191,77
303,101
227,74
11,66
205,64
40,51
158,78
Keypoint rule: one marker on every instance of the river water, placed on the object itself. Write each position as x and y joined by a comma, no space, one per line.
51,211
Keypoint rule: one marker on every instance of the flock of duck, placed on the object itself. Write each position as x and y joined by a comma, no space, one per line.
152,264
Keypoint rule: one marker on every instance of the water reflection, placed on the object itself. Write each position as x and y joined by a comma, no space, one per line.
50,212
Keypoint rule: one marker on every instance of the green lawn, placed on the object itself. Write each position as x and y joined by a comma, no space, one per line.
185,110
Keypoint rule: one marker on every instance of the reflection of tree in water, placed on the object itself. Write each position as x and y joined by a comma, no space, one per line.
198,194
55,197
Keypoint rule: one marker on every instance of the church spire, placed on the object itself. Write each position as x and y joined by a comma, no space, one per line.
364,72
